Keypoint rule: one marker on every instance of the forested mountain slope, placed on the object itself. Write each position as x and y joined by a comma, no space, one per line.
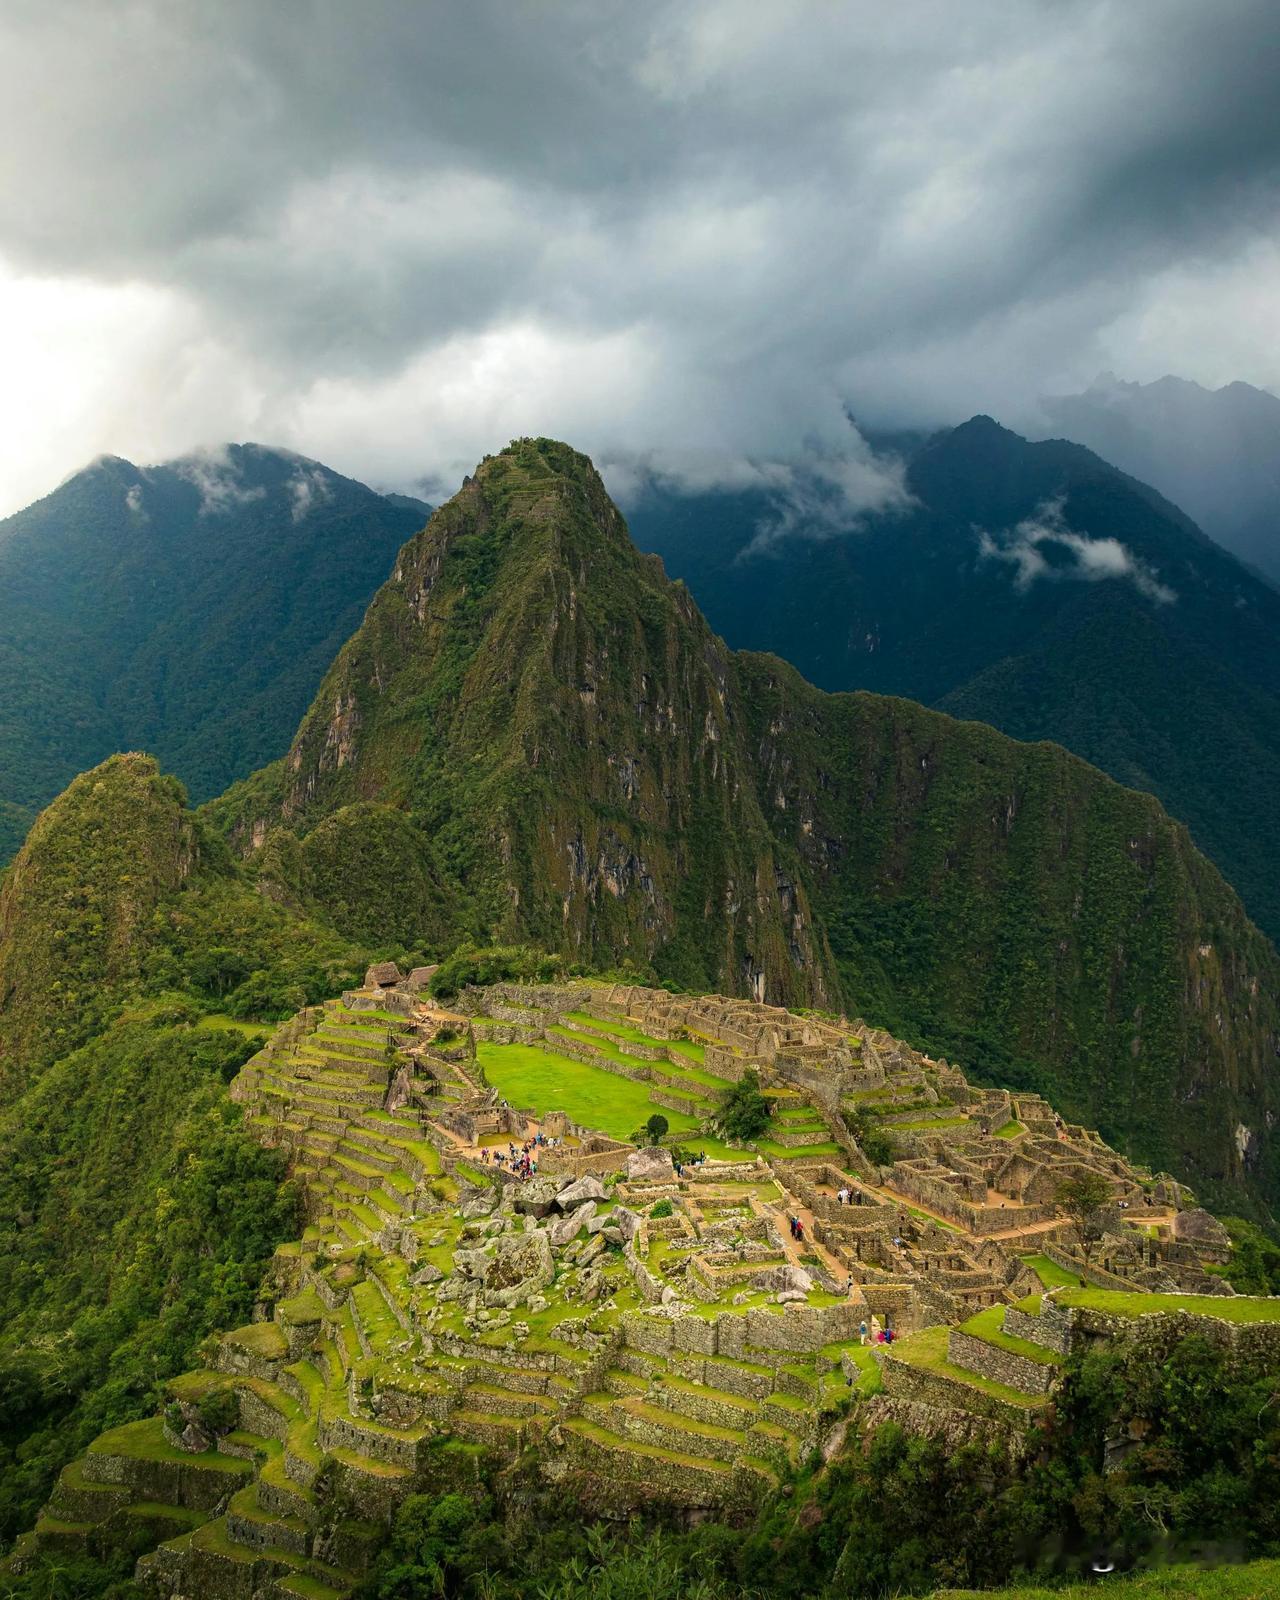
1036,588
135,1212
189,609
548,728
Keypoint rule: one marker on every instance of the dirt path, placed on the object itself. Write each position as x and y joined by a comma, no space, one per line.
795,1248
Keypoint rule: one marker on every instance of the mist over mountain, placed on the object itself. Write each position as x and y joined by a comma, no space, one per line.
1215,452
1032,586
190,608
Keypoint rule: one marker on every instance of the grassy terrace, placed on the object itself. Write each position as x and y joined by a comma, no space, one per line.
528,1075
1230,1308
988,1325
221,1024
1256,1580
928,1351
145,1441
798,1152
1010,1130
1050,1274
624,1030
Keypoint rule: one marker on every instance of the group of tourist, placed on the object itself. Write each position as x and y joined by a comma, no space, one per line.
876,1335
521,1159
797,1229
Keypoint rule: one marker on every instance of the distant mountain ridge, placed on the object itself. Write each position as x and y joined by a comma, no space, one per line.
1214,452
1037,588
190,607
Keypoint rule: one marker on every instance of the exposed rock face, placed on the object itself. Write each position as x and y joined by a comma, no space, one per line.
784,1278
1198,1227
626,1222
478,1203
652,1164
577,1194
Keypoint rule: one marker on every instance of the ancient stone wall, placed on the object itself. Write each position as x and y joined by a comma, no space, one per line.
1001,1366
1051,1332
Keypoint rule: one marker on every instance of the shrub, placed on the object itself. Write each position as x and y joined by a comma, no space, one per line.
744,1111
661,1208
865,1130
219,1411
656,1127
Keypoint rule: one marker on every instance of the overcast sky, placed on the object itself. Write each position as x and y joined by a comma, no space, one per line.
394,234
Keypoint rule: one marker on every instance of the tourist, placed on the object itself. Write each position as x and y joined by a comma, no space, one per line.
862,1329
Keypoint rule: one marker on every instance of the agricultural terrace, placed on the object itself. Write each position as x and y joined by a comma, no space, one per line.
500,1261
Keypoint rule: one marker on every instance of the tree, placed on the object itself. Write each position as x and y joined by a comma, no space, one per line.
1081,1198
866,1132
656,1126
744,1111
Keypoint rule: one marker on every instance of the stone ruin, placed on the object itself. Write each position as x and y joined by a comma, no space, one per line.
657,1329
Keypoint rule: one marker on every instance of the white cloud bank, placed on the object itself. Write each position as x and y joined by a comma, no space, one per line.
399,235
1043,547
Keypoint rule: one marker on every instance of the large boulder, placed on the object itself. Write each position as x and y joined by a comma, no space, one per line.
477,1203
626,1221
536,1197
1198,1227
788,1278
472,1264
567,1228
650,1166
577,1194
382,975
522,1265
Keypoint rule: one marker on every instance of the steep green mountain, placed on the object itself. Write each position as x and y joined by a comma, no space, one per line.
582,764
189,609
135,1213
1036,588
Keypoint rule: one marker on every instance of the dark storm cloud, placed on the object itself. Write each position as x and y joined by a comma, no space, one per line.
400,231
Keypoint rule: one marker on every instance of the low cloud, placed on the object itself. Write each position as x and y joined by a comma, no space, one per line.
308,489
215,475
1044,547
818,494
